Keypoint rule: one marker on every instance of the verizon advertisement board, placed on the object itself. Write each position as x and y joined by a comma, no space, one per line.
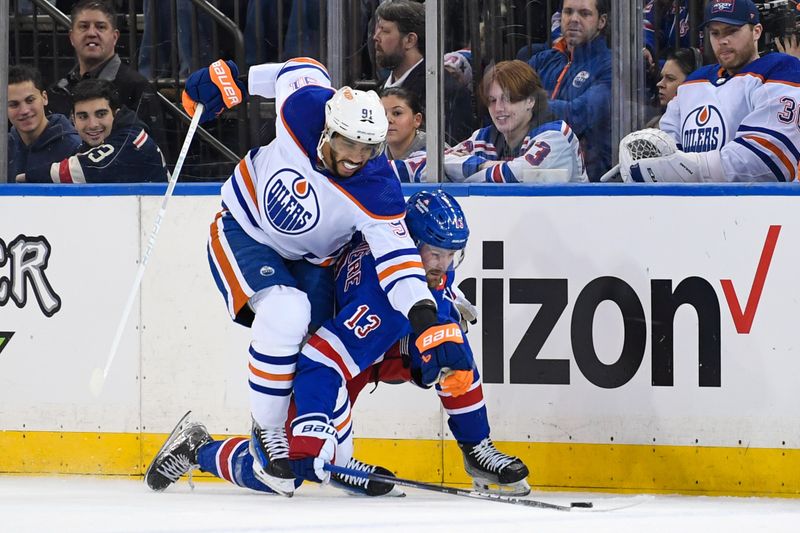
664,319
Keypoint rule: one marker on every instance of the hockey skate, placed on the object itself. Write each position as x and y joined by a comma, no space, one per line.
364,487
178,455
270,450
493,471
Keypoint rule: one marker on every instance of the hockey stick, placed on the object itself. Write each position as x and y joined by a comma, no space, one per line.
611,174
342,470
99,374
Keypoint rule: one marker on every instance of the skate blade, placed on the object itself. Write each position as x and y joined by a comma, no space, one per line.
282,486
520,488
396,491
182,423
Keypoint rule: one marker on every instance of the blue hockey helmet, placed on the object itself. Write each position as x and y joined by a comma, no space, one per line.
435,218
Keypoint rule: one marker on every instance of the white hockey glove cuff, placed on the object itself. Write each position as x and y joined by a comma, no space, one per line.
680,167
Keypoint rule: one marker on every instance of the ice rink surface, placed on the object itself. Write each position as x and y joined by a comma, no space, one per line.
109,505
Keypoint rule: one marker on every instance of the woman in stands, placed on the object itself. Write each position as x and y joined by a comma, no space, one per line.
404,112
679,64
524,142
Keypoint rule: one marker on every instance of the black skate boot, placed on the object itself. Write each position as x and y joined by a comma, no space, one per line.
178,455
270,450
364,487
490,467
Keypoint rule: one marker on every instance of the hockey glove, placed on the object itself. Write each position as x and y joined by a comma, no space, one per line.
678,167
313,444
441,350
216,87
457,382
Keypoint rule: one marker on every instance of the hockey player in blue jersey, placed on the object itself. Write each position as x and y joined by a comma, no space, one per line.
359,345
287,211
116,146
734,121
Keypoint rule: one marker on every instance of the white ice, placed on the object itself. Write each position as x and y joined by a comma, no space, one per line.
110,505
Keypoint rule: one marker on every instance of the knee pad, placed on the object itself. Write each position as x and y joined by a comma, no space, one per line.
281,321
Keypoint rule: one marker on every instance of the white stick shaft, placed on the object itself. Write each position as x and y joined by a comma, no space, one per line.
151,241
608,176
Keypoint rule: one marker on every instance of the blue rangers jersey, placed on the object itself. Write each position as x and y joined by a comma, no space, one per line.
752,118
127,155
365,327
283,197
552,145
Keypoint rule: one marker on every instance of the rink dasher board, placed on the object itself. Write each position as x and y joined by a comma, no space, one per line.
583,394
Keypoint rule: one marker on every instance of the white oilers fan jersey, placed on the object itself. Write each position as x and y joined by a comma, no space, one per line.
752,118
283,199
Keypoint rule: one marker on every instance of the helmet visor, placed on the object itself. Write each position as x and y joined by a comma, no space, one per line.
440,260
349,149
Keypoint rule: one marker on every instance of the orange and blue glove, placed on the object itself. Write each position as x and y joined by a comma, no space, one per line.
444,359
216,87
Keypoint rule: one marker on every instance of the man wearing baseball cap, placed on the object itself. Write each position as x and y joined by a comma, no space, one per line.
737,120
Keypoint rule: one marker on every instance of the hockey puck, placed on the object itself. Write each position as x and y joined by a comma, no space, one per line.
586,505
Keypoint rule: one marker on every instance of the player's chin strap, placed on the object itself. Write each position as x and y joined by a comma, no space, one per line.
341,470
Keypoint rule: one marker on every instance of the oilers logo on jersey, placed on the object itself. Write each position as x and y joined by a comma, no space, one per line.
291,203
703,130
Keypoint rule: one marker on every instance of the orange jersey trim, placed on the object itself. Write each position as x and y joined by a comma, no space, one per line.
775,150
238,294
267,375
346,421
248,181
392,269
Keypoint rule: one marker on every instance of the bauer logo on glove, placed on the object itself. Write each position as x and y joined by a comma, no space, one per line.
216,87
439,334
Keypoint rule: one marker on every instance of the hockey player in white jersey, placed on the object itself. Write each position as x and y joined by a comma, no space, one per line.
524,143
735,121
287,211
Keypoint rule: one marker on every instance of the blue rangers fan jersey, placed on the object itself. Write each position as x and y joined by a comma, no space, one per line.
752,118
127,155
552,145
282,196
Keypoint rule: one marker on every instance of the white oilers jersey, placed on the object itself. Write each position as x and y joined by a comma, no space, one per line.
752,118
282,198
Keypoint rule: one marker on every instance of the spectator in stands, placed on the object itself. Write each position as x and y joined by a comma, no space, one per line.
162,13
789,44
34,139
679,64
577,72
733,121
525,143
399,47
301,30
665,21
94,36
116,147
404,113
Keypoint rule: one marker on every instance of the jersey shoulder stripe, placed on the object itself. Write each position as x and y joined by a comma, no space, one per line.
775,67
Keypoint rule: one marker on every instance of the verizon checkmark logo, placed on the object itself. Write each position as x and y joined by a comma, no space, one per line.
743,319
